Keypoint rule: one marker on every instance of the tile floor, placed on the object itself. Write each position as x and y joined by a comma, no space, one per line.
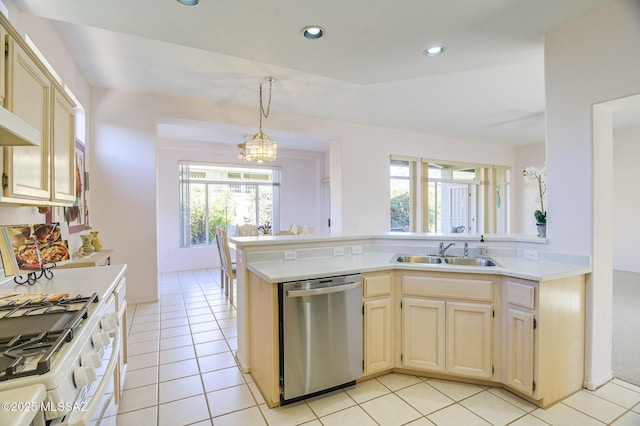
182,372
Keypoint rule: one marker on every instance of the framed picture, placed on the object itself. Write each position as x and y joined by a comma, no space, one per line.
76,216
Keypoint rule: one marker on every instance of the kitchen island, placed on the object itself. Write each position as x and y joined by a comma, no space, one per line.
519,324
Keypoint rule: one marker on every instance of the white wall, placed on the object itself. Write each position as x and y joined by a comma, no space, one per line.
302,196
626,202
526,197
588,61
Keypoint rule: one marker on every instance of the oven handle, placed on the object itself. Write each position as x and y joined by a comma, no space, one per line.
108,376
324,290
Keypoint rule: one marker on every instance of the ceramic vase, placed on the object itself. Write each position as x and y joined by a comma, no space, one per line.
96,243
542,230
86,249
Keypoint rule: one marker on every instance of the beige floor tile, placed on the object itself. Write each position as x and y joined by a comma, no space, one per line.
256,393
529,420
353,416
560,414
142,319
177,354
175,322
183,411
210,348
367,390
230,332
179,388
456,415
145,336
630,418
147,326
513,399
398,381
176,370
198,303
141,377
146,416
231,399
142,347
220,379
455,390
594,406
201,327
618,394
175,331
206,310
626,385
233,343
207,336
216,362
424,398
293,414
202,423
330,403
636,408
142,361
173,314
175,342
390,410
226,315
227,323
137,398
249,416
493,409
204,318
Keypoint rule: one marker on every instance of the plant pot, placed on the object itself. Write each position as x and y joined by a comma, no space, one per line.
542,230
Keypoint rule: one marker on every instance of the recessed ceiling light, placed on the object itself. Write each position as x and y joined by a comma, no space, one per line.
312,32
189,2
434,51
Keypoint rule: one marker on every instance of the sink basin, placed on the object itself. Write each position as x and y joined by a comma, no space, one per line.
470,261
447,260
407,258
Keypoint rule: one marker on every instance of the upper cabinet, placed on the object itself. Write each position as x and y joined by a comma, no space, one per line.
44,174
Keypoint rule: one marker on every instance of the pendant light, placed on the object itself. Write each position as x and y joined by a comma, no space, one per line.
260,147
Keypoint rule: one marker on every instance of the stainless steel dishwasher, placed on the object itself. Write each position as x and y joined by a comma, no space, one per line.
320,335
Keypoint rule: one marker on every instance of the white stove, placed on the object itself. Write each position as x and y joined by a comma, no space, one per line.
71,346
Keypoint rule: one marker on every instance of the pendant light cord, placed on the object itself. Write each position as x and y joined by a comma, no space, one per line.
262,111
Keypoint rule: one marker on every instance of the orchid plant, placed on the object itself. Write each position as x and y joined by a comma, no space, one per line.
540,176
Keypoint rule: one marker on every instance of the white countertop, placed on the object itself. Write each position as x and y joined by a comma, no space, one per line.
83,281
292,270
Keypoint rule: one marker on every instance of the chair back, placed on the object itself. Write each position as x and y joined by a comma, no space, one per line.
225,254
247,230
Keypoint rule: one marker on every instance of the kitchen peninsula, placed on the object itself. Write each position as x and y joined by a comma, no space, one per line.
519,324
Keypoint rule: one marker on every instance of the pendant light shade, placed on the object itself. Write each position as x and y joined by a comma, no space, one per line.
260,147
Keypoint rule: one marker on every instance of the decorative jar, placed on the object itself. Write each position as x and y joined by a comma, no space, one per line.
96,243
87,249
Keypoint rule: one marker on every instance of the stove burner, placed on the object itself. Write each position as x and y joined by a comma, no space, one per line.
33,331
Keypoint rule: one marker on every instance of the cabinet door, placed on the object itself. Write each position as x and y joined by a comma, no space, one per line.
520,350
28,95
64,174
378,335
423,334
469,339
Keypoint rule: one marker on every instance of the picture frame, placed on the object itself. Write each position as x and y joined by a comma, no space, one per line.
76,216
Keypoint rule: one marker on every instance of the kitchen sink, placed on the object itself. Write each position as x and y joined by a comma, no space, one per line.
447,260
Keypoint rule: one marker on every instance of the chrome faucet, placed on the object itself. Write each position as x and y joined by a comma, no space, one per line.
442,248
466,249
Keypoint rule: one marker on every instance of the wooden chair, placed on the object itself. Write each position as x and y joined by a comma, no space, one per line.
228,266
247,230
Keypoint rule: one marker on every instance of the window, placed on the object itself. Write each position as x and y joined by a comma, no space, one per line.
218,196
448,197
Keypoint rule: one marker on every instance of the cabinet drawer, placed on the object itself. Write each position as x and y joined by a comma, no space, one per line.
521,294
454,288
377,285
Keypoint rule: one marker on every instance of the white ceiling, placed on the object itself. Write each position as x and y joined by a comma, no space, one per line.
369,68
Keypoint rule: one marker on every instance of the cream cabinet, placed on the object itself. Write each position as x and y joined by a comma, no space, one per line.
26,175
543,344
447,325
377,292
44,174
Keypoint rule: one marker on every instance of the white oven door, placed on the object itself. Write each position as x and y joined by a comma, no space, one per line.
97,403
